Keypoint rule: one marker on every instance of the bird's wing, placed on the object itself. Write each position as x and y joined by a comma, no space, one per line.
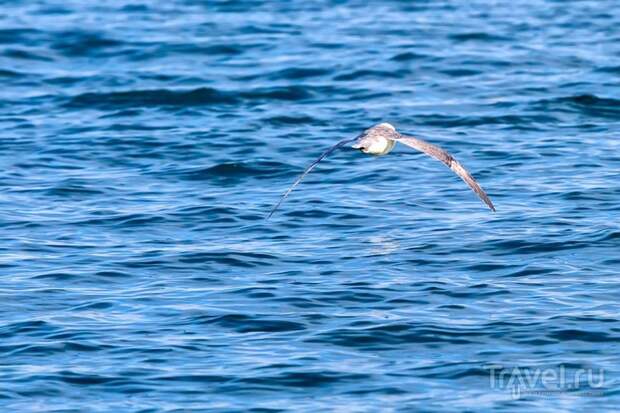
443,156
308,169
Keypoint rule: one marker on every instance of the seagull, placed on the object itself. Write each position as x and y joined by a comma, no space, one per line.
380,140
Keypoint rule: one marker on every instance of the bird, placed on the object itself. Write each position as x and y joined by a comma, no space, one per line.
379,140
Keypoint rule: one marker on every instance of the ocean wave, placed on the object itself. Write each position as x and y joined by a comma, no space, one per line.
203,96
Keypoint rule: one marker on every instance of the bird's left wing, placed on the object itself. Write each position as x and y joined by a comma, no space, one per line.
443,156
308,169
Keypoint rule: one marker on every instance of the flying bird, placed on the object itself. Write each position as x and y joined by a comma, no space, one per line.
380,140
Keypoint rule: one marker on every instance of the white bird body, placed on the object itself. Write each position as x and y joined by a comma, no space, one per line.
380,145
380,140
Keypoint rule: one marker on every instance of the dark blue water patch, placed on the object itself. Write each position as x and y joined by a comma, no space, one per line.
23,54
532,247
90,306
588,336
74,188
300,302
588,105
34,327
387,336
478,37
134,8
65,80
194,378
19,35
196,97
52,10
232,259
304,379
137,127
109,275
471,292
351,297
57,276
223,49
11,74
609,69
454,373
272,29
245,324
84,379
201,96
83,43
230,173
461,72
369,74
588,318
408,56
526,122
124,220
299,73
124,113
293,120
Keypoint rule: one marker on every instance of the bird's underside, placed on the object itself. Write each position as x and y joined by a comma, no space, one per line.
379,140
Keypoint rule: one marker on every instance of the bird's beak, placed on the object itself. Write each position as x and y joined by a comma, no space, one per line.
358,147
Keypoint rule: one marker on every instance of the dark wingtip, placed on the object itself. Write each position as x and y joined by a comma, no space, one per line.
273,210
271,213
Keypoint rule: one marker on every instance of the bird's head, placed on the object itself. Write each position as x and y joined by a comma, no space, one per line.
377,140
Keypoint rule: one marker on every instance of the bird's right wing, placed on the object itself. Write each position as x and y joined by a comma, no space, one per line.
443,156
308,169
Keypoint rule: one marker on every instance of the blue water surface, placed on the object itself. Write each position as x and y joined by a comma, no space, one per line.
143,143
